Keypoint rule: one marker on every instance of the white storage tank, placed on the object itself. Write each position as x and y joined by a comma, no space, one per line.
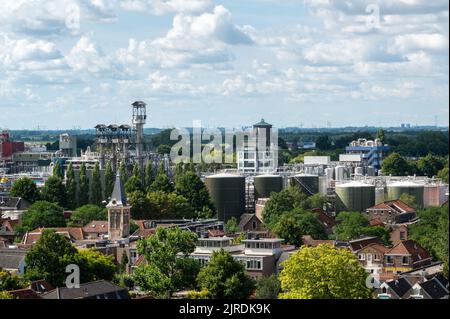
434,195
396,189
380,195
359,171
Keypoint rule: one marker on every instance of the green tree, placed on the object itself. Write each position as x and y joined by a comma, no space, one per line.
350,225
163,149
284,201
134,184
396,165
123,263
109,180
123,173
225,278
96,197
25,188
54,191
57,170
168,268
232,225
323,142
378,231
430,165
168,205
323,272
87,213
11,281
136,171
162,182
48,258
94,265
43,214
444,173
409,200
381,135
293,225
140,204
268,287
190,186
431,232
83,195
71,187
5,295
148,179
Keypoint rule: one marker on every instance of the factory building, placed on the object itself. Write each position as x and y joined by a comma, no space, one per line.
259,152
370,152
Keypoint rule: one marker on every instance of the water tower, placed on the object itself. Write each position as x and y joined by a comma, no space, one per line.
139,119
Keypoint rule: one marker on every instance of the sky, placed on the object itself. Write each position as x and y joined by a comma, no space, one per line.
309,63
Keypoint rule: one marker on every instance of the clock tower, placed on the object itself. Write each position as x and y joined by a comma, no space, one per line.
118,213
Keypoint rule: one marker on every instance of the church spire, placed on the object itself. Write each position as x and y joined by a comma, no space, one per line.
118,197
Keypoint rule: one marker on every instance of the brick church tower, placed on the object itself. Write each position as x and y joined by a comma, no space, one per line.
118,213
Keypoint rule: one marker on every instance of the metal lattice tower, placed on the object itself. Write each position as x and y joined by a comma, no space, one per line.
139,119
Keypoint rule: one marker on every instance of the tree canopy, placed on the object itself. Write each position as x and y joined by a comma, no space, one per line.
168,268
268,287
24,187
323,272
225,278
43,214
87,213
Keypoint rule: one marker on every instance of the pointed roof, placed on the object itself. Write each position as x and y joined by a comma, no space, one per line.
118,197
262,123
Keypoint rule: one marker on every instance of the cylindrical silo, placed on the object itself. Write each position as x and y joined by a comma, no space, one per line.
227,192
354,196
380,195
308,184
266,184
397,189
370,171
329,172
339,173
434,195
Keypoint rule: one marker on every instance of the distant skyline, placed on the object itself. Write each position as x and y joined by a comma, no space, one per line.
77,63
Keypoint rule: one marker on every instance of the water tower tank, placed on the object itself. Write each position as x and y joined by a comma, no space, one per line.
227,192
396,189
329,172
308,184
266,184
354,196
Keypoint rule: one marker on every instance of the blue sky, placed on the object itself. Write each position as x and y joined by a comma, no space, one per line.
77,63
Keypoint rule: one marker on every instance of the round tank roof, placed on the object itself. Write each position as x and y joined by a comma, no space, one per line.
405,184
224,175
355,184
267,175
306,175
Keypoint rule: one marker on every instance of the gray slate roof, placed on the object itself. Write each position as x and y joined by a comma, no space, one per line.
92,290
118,197
11,258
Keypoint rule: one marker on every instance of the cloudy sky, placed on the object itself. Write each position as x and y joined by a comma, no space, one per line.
310,63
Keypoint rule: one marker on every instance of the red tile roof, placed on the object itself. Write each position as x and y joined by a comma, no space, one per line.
96,226
73,233
326,220
360,243
410,247
393,204
26,293
376,246
376,222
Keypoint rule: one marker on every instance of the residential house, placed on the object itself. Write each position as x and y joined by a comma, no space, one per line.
371,257
250,222
73,233
8,203
391,212
398,233
405,256
33,291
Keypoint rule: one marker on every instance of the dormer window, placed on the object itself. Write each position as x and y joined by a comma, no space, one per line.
405,260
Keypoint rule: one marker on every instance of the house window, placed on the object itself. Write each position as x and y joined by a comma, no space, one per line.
384,290
362,257
254,225
376,257
405,260
389,260
402,235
